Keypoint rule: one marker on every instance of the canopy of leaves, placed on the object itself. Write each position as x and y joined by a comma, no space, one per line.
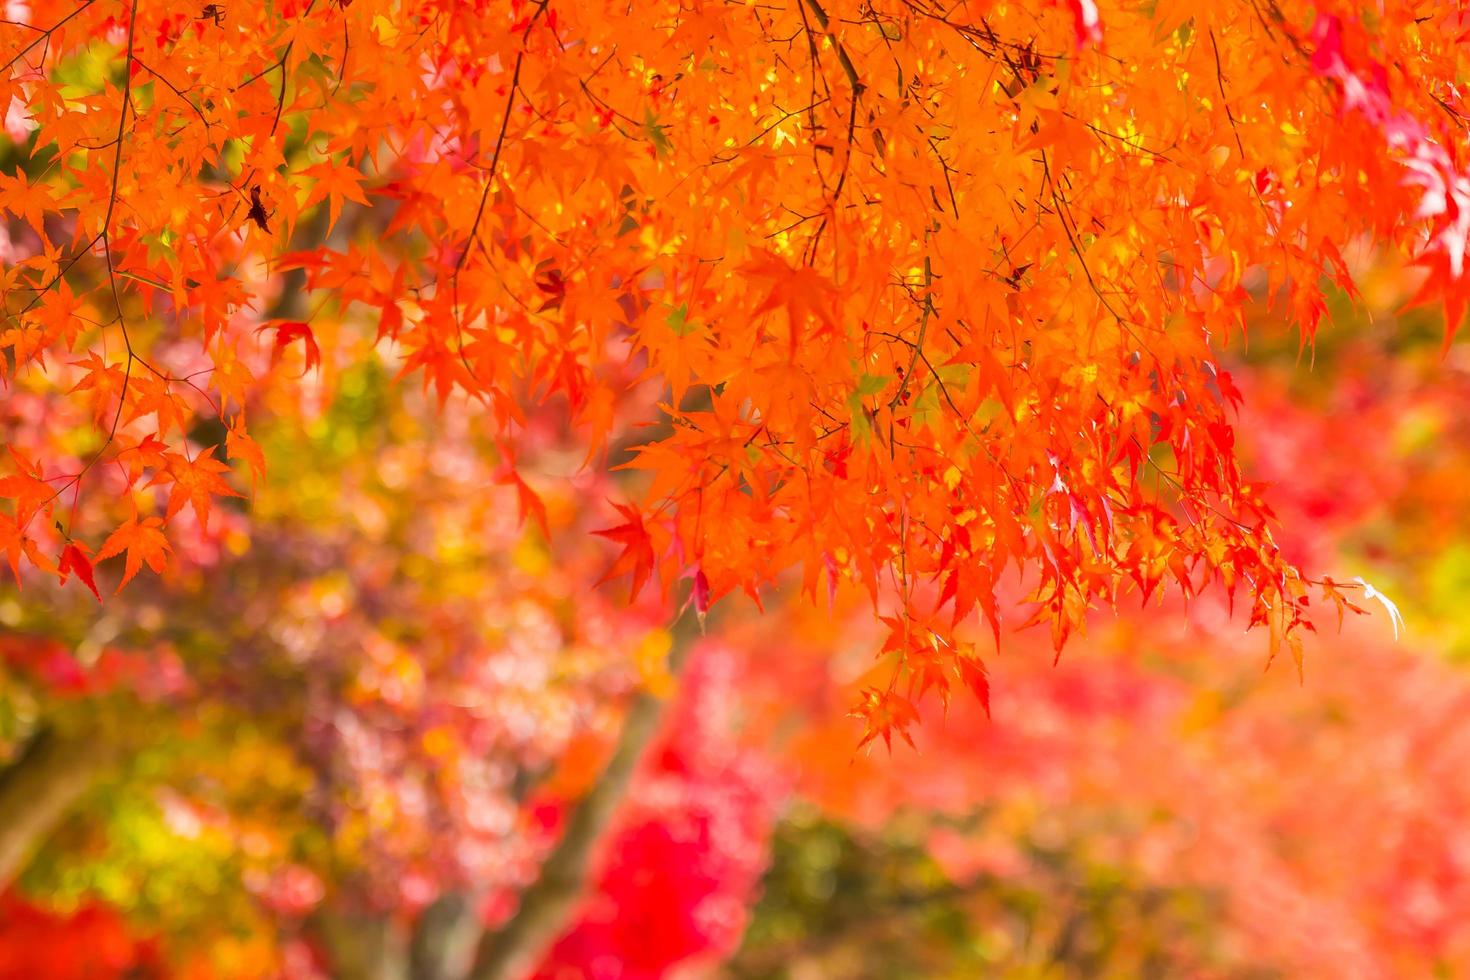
930,292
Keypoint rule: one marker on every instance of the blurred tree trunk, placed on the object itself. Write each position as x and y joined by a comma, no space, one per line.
37,789
449,943
517,947
513,951
362,946
444,939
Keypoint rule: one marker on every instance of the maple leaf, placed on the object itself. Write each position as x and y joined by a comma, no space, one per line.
25,200
637,557
1395,618
108,381
257,213
151,452
973,673
334,183
195,481
528,501
883,713
657,134
26,487
678,350
16,545
288,332
700,596
240,445
803,292
143,541
1443,285
74,559
150,394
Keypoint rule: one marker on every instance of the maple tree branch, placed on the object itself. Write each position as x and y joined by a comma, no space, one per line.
517,947
1225,99
918,348
816,61
362,947
1064,215
444,938
45,36
847,66
510,101
855,82
346,50
174,89
102,236
946,169
1234,127
38,788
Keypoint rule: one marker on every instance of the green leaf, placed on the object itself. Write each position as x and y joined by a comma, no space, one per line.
656,133
990,409
953,375
862,428
925,409
873,384
678,320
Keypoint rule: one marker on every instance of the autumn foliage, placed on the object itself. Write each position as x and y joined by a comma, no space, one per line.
931,294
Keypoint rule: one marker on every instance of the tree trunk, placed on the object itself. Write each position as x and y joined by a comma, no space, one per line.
444,939
51,772
518,947
362,947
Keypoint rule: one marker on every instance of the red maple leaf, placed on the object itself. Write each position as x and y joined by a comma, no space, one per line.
74,559
637,556
289,331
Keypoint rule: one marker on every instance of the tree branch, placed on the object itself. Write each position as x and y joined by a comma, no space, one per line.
444,939
361,946
848,69
514,950
38,788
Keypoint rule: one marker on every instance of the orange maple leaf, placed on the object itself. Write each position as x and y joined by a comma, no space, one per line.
194,481
14,543
334,182
802,291
239,445
143,541
884,712
27,488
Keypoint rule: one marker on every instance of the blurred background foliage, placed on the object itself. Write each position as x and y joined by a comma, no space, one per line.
840,902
